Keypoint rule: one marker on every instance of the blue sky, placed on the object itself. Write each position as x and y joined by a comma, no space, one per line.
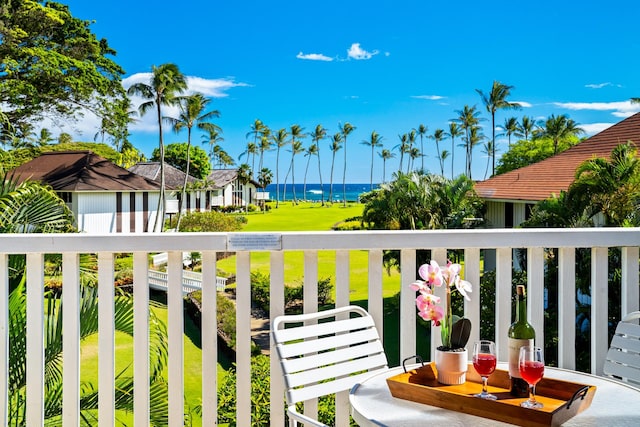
383,66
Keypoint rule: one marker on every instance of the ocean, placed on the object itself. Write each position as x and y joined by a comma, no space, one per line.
314,193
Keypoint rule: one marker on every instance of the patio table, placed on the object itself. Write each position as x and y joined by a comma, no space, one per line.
614,404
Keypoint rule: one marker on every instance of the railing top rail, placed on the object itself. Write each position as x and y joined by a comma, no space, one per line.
331,240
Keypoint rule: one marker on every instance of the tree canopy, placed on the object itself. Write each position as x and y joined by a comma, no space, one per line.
51,64
526,152
176,155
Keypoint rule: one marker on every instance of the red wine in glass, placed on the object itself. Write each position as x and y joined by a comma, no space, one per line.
484,362
531,367
532,371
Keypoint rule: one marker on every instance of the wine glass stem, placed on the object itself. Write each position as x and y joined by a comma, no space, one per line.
532,394
484,385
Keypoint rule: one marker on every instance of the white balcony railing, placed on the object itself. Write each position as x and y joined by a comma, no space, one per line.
499,242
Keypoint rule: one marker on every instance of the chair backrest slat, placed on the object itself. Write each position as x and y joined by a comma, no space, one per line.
623,358
326,352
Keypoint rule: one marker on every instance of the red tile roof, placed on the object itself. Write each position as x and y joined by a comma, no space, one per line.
550,176
81,171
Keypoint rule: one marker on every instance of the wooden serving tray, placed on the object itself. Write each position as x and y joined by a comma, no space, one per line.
562,400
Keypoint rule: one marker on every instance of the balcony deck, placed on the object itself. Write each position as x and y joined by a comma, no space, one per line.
472,242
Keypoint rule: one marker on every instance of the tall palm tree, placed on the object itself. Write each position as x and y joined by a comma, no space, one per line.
510,128
213,138
336,145
468,119
251,151
264,145
317,135
403,148
166,83
526,127
475,138
311,151
454,132
411,140
192,113
422,131
560,127
385,154
414,153
279,140
438,135
296,148
375,140
494,101
345,130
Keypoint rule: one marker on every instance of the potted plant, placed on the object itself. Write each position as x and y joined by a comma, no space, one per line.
451,356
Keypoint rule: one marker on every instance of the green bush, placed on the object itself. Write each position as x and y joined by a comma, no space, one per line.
348,225
210,221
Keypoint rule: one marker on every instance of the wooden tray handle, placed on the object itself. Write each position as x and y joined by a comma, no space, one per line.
417,357
581,393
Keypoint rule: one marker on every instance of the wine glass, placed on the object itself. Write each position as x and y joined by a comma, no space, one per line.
531,366
484,362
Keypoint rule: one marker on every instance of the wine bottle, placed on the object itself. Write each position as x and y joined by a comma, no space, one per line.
521,333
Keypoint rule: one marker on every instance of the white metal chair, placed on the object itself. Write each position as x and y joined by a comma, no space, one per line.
325,353
623,359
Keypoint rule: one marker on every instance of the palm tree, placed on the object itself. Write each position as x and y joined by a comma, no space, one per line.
422,131
317,135
45,137
279,140
265,145
336,145
414,153
438,135
296,148
192,113
244,177
510,128
487,150
475,138
374,141
311,151
403,148
454,132
411,139
345,130
213,138
385,155
496,100
468,119
166,82
558,128
610,186
526,127
250,151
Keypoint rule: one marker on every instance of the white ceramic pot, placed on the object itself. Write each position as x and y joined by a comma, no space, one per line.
451,366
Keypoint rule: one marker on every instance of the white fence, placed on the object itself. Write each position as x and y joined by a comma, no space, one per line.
191,281
477,246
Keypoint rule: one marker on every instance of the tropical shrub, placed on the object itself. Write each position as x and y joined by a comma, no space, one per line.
210,222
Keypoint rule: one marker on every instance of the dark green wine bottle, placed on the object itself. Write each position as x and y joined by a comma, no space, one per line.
521,333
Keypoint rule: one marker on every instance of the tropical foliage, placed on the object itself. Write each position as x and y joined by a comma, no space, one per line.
416,201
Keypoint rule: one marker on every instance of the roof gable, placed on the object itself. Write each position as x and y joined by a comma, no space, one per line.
550,176
173,177
81,171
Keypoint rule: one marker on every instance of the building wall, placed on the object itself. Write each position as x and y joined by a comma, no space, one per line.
111,212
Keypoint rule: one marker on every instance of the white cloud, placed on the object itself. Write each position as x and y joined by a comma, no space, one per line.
524,104
313,57
593,128
215,88
357,53
601,85
429,97
618,108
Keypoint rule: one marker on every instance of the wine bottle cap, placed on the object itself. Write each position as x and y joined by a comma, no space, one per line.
520,290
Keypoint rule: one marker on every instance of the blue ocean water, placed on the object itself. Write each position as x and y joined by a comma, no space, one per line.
314,192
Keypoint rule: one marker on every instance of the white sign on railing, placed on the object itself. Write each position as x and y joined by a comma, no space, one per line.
254,242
